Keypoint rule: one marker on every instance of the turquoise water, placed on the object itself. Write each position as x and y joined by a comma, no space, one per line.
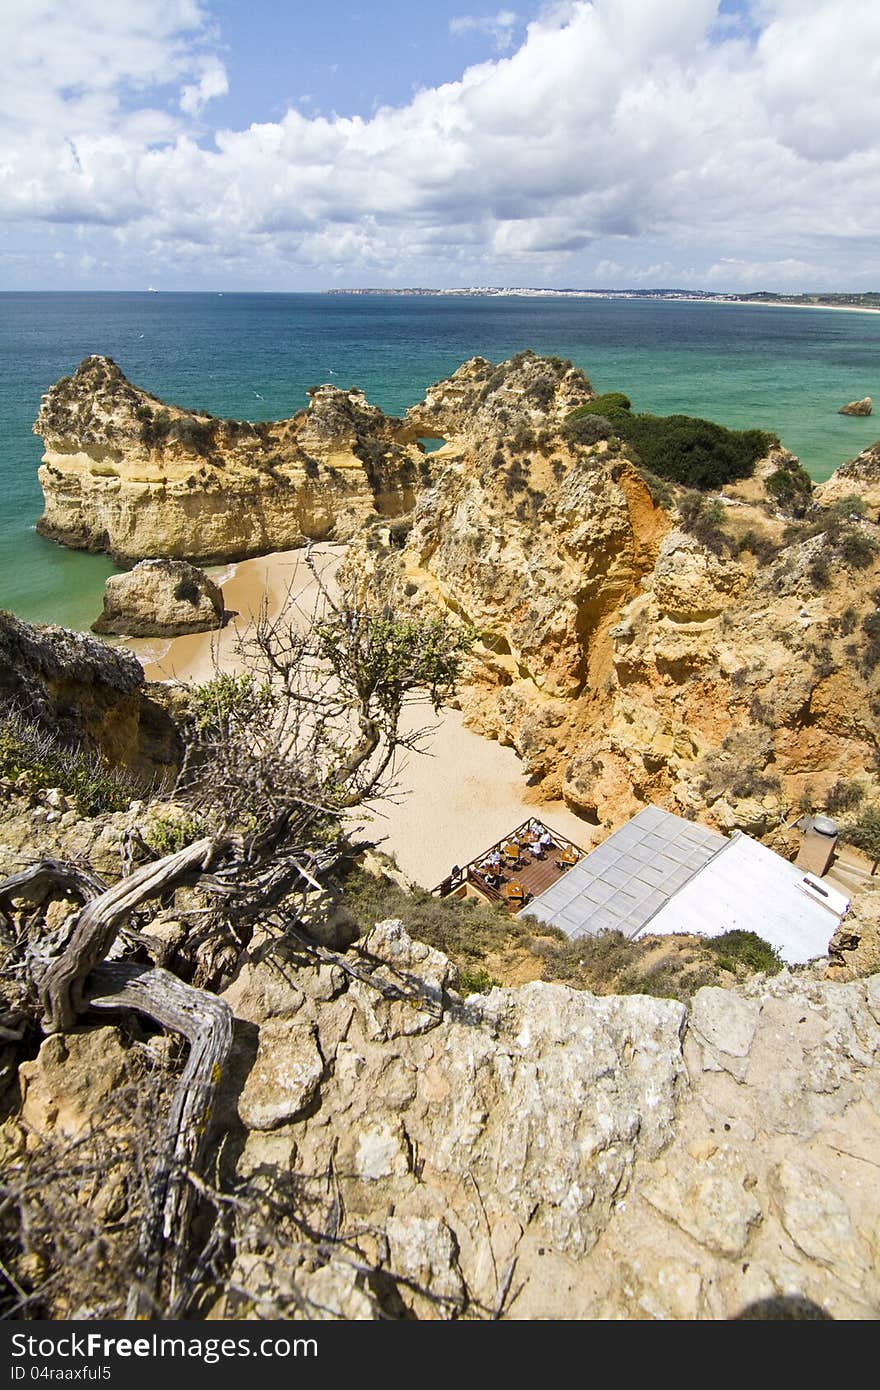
252,356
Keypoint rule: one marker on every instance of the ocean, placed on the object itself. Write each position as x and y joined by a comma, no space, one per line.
253,356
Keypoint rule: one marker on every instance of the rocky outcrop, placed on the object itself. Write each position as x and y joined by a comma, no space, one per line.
535,1152
862,407
634,643
124,473
484,399
860,478
160,598
87,694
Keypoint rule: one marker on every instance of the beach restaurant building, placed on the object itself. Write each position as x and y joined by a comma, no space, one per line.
658,875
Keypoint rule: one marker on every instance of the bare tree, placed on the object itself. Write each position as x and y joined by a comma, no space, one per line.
277,759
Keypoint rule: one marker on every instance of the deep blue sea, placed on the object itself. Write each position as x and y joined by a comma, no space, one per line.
252,356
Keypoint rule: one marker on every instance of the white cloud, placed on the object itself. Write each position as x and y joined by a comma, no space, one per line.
621,138
498,27
212,83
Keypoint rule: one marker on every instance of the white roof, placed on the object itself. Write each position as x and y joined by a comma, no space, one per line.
622,883
660,874
746,887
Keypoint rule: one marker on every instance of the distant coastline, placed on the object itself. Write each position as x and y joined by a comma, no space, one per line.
860,303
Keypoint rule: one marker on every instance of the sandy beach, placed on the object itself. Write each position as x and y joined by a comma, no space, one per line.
454,801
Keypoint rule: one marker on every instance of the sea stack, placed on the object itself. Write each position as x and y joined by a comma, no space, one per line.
160,598
862,407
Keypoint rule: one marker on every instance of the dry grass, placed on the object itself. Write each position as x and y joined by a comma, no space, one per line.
489,947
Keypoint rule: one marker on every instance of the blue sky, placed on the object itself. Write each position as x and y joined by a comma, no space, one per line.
349,58
728,144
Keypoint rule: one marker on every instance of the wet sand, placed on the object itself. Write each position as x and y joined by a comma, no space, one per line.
453,801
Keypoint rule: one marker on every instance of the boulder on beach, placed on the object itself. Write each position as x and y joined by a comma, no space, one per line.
862,407
160,598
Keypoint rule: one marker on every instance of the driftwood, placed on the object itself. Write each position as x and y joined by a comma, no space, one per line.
206,1022
276,759
61,987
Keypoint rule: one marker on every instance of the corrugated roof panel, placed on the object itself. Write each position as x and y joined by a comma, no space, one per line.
628,876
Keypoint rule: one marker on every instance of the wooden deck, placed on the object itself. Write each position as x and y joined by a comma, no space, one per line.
533,874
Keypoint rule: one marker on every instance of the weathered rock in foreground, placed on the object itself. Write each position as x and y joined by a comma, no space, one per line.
540,1152
622,1159
862,407
160,598
85,693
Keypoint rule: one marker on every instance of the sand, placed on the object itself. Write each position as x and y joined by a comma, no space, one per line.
453,801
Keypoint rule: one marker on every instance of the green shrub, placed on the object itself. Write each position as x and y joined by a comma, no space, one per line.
819,571
587,429
704,520
790,486
476,981
197,435
748,949
697,453
399,530
863,830
227,702
515,479
682,448
523,441
763,549
610,404
847,621
871,648
156,428
463,929
168,834
857,550
844,795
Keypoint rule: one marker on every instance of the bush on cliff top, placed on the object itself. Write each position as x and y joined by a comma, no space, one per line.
683,448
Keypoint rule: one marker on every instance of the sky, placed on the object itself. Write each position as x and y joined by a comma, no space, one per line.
296,145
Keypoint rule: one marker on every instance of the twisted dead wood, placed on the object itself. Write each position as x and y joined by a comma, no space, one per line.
62,984
206,1022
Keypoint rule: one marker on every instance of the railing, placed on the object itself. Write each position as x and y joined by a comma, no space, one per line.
469,872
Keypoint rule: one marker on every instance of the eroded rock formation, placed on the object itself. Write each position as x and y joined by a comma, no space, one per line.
125,473
160,598
88,695
632,645
859,477
636,642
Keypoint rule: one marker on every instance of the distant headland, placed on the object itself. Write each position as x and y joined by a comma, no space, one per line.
842,300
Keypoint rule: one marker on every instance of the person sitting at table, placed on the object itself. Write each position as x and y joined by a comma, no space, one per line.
545,840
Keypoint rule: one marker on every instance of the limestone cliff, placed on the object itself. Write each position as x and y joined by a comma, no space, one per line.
87,694
529,1153
860,477
637,641
124,473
